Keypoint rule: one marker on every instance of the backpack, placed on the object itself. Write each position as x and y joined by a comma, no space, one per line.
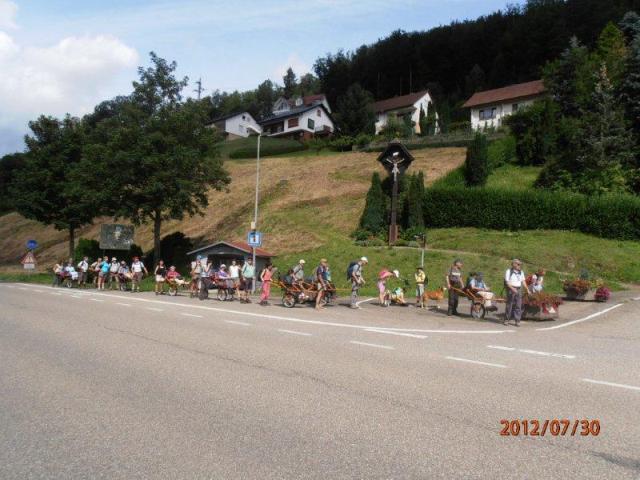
350,269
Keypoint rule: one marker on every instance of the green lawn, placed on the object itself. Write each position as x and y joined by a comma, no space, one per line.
510,177
268,146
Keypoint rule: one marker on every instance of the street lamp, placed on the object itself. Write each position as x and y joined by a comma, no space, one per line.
254,225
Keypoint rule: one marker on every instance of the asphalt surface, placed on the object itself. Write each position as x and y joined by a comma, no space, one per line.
122,385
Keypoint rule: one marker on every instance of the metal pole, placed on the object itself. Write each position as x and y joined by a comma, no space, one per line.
255,211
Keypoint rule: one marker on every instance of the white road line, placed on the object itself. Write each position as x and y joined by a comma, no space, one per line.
588,317
190,315
155,309
497,365
532,352
636,298
96,300
374,345
293,332
399,334
610,384
233,322
123,304
296,320
365,301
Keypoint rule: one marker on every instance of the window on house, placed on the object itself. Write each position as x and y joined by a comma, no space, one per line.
311,124
318,113
292,123
494,110
515,107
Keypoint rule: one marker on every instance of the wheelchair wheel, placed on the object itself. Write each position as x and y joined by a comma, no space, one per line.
477,310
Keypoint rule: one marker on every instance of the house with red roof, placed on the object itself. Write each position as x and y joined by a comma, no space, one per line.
490,107
407,107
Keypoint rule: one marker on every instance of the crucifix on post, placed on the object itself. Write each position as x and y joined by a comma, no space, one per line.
395,159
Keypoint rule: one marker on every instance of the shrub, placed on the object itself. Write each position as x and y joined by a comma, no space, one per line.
607,216
502,151
363,139
87,247
341,144
476,167
374,216
267,150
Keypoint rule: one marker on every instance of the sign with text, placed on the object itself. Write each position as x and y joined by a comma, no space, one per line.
114,236
254,239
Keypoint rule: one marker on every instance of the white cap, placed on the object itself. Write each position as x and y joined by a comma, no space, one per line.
302,262
396,273
114,259
364,259
223,266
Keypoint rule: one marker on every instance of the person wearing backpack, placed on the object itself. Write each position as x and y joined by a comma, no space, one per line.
514,281
355,275
454,279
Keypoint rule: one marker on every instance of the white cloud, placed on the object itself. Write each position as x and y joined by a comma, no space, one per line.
8,10
70,76
299,67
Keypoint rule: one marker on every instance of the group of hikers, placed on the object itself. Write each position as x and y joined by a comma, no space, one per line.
240,276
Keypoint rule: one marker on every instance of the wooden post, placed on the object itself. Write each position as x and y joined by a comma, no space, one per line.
393,227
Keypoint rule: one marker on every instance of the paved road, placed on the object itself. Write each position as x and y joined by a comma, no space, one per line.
139,386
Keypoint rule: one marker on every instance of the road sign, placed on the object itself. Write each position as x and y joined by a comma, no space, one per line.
32,244
29,261
254,239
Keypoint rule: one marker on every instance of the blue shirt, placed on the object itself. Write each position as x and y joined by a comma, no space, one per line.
105,267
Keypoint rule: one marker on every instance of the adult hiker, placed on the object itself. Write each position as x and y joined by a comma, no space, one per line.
234,274
265,277
514,282
138,270
321,282
355,275
454,280
298,272
113,273
420,278
160,273
248,277
83,269
105,266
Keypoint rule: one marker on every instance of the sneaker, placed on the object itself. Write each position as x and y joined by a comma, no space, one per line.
517,324
506,322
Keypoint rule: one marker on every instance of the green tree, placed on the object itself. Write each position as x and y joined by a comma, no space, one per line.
9,166
631,87
374,216
413,213
612,52
46,188
535,130
157,157
476,166
309,84
266,95
353,112
290,83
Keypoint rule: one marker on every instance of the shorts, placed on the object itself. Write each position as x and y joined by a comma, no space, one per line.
419,289
248,284
136,276
321,287
102,274
382,287
159,279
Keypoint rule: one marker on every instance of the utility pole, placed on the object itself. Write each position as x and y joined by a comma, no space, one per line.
199,90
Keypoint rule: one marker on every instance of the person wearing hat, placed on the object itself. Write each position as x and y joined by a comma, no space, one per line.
454,279
514,282
357,280
383,276
103,274
298,272
138,270
321,281
113,274
420,278
480,288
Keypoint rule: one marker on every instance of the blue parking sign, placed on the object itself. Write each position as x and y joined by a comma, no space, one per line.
32,245
254,239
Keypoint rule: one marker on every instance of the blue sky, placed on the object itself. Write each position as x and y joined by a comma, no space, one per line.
64,56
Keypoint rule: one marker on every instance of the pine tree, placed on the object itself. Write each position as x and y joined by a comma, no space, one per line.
415,197
374,216
631,87
290,83
612,51
353,113
476,167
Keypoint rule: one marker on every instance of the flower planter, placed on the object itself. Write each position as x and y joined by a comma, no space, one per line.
544,312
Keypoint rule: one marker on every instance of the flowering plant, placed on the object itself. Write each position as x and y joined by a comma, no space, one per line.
602,294
576,287
542,300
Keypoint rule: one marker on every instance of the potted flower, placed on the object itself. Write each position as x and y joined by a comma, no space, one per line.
541,305
576,289
603,293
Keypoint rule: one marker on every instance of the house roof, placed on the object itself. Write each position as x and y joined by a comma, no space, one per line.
398,102
510,92
242,246
227,117
312,99
294,112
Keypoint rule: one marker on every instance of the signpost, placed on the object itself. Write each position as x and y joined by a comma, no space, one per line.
32,245
29,261
254,239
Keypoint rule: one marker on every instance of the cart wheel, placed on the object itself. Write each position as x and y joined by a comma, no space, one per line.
173,292
288,300
221,295
478,310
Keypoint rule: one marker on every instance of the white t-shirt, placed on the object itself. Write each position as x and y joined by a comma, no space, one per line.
137,267
83,266
234,271
513,278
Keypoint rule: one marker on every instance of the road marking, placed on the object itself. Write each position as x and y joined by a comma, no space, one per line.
365,301
234,322
296,320
293,332
532,352
610,384
374,345
588,317
497,365
190,315
399,334
123,304
96,300
636,298
155,309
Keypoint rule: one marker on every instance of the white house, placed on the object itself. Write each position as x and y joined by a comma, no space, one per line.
405,106
236,125
299,122
489,108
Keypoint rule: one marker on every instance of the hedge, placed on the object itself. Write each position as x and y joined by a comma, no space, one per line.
612,216
268,150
